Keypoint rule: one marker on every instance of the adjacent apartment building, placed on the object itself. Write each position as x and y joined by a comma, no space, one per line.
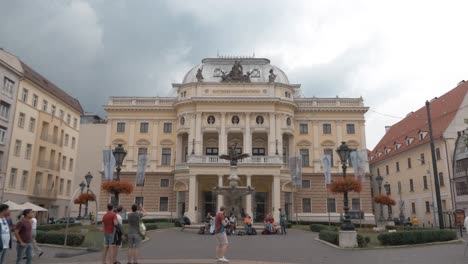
43,144
227,101
403,158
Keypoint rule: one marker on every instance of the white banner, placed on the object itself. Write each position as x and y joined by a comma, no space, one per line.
141,168
326,163
358,160
109,164
295,167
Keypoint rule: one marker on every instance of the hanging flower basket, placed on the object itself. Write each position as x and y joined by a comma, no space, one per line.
123,187
384,199
85,197
346,185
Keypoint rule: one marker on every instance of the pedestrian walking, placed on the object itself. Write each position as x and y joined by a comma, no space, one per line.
23,234
283,220
134,236
221,237
37,250
109,221
5,241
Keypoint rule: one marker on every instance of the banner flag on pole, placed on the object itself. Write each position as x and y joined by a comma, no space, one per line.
109,164
295,167
326,163
141,168
358,160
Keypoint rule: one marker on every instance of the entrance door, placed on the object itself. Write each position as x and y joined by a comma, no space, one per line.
180,204
260,206
288,206
209,199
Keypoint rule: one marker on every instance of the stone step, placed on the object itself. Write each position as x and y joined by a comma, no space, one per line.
196,227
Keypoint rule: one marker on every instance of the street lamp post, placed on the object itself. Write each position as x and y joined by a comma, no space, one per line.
119,155
344,152
388,191
88,179
82,185
379,180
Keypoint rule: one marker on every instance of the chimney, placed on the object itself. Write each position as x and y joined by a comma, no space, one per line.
387,128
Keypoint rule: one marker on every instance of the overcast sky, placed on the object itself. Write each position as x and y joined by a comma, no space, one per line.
395,54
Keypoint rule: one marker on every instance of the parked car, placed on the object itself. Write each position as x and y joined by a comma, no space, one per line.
71,220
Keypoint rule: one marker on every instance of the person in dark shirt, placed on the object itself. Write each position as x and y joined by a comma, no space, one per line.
109,221
23,234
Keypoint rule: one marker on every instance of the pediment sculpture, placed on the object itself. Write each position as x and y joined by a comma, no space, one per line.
236,74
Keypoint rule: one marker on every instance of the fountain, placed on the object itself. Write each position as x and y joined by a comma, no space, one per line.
233,192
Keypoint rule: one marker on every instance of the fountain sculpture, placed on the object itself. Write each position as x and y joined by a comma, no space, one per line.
233,192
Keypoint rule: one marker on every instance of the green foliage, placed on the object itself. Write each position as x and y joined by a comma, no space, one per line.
54,227
178,223
289,225
317,228
151,226
362,240
416,237
329,236
58,238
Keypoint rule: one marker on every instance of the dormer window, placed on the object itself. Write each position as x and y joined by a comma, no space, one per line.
422,135
387,150
397,146
409,140
379,154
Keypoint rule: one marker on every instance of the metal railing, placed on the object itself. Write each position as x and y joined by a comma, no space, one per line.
249,160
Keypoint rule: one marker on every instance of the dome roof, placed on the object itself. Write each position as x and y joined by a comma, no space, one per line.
213,68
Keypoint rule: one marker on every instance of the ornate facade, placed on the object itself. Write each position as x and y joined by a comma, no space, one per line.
251,103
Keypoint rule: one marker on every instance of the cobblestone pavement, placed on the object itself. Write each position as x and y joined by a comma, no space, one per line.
174,246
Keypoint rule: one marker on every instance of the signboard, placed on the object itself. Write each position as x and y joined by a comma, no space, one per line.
459,217
295,167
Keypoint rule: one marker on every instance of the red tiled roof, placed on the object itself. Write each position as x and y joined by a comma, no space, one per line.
51,88
443,110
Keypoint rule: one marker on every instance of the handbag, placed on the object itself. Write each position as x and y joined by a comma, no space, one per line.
142,228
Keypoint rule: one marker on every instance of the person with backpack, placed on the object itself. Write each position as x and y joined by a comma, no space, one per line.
134,236
221,237
283,220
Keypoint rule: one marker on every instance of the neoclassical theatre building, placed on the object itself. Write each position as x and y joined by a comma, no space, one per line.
245,102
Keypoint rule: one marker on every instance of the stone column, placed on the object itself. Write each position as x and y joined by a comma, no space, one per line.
272,135
363,141
154,145
317,155
339,131
279,135
192,199
247,136
276,197
178,151
222,136
248,198
191,136
108,134
198,135
220,200
132,157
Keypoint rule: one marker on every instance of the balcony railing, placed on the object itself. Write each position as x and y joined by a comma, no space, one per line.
462,189
51,139
45,193
249,160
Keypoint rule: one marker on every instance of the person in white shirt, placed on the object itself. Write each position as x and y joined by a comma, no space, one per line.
37,249
466,224
5,241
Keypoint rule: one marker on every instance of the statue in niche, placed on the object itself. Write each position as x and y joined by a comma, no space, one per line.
199,75
272,76
234,156
259,120
235,120
211,120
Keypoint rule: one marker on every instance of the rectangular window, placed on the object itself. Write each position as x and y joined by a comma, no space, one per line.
167,127
8,86
12,182
304,128
409,163
258,152
32,124
413,208
4,109
425,182
142,151
61,186
73,143
139,200
70,165
387,169
411,185
305,157
75,122
27,153
331,205
441,179
211,151
166,156
53,110
421,158
24,180
2,135
306,205
64,162
329,152
120,127
306,184
44,105
326,128
356,204
163,204
438,157
428,207
24,96
397,165
68,119
17,148
21,119
144,127
61,115
65,141
68,188
164,183
350,129
35,100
